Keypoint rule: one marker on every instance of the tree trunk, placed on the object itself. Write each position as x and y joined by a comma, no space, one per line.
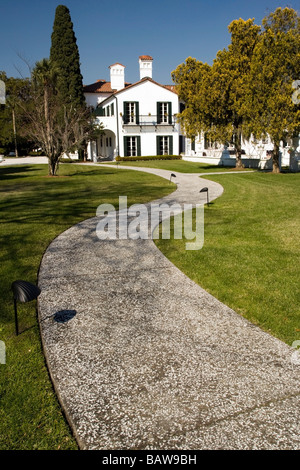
15,132
238,147
51,159
275,156
238,156
52,166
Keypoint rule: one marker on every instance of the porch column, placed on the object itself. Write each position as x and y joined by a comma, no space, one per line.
89,151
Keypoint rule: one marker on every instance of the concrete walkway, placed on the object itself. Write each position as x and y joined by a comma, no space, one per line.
143,358
23,161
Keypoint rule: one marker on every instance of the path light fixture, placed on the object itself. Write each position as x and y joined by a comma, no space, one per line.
23,291
205,190
172,176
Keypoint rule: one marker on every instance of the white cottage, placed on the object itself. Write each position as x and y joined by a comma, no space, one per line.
255,153
138,118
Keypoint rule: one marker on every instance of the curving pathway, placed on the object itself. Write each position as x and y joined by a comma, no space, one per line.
143,358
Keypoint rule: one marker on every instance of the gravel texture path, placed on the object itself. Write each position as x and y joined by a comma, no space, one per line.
141,357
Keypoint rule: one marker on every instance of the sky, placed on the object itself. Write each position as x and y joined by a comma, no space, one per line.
120,31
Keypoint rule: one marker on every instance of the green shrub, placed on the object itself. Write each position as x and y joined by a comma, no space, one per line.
39,153
150,157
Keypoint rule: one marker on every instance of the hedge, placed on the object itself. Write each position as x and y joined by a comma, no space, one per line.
36,154
150,157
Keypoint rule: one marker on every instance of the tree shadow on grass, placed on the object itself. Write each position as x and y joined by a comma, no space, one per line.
10,172
95,172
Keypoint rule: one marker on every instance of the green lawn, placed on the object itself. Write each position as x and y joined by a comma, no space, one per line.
250,261
251,254
34,209
181,166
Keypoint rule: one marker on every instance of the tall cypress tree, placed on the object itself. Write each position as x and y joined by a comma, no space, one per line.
64,57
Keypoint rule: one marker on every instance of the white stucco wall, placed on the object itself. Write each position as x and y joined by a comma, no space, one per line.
93,99
255,151
147,94
117,77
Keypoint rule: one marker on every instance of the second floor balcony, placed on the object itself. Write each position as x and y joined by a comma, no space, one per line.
149,120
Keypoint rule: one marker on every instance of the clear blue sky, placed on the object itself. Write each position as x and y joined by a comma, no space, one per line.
120,31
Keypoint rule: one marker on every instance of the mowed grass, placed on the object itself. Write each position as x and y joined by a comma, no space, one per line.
251,255
35,209
182,166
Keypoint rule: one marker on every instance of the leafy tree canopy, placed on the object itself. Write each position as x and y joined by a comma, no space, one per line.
275,66
10,118
215,96
248,89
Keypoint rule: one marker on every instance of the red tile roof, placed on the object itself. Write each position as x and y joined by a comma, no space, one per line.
145,57
168,87
100,86
171,88
117,63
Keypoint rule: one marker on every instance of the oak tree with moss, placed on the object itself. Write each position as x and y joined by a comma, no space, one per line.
275,67
228,86
190,79
215,96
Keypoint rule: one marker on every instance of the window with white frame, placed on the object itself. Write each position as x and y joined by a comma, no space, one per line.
132,146
164,112
131,112
164,145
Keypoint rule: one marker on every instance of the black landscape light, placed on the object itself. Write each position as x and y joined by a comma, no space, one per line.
172,176
205,190
23,292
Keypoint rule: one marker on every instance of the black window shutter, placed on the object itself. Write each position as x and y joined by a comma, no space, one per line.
138,146
181,143
158,152
137,113
112,109
170,145
125,115
125,146
170,112
158,112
